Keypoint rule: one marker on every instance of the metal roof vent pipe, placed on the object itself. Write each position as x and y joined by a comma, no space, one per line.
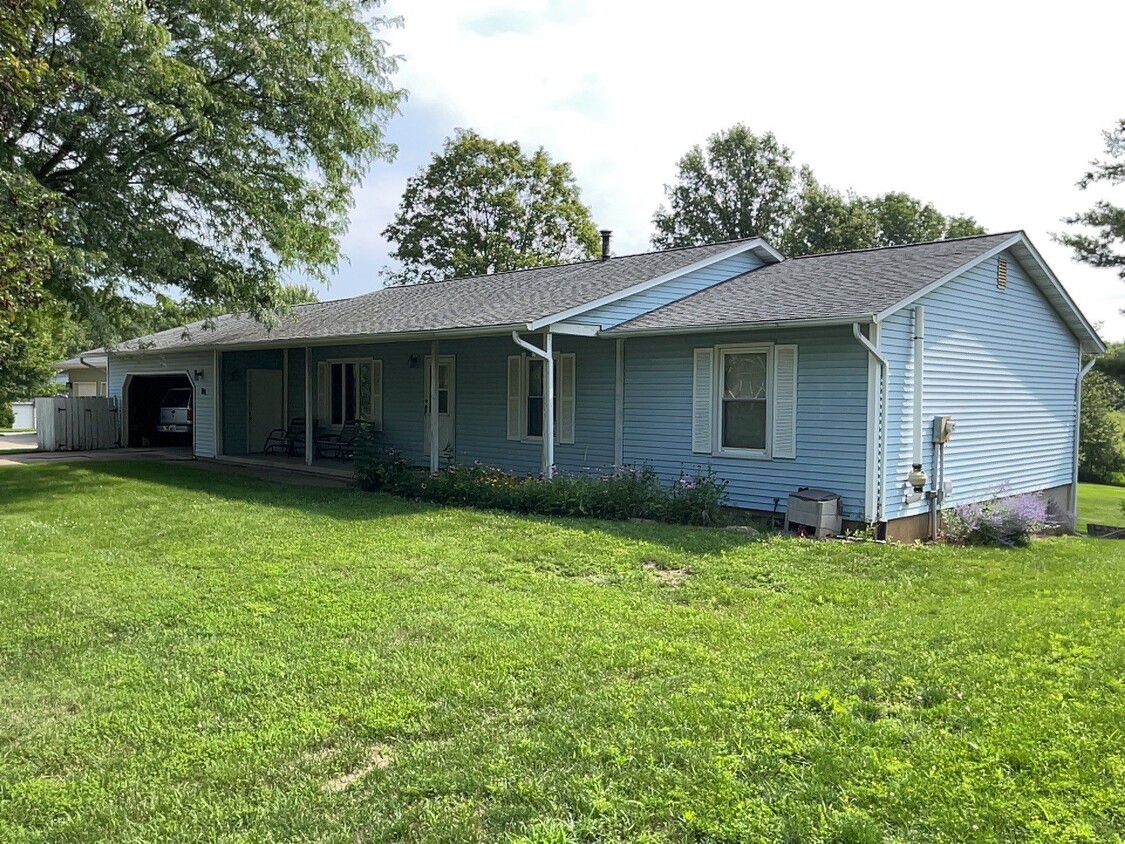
606,235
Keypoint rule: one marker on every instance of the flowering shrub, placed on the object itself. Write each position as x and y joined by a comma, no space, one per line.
627,492
1002,520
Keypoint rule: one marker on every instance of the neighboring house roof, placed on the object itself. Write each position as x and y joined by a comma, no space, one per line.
95,358
500,300
861,286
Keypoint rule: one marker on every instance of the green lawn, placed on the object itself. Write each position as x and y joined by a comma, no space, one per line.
1100,504
192,656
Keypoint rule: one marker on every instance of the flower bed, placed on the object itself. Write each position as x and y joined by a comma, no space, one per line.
627,492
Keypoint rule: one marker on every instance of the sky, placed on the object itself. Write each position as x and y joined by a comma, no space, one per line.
988,109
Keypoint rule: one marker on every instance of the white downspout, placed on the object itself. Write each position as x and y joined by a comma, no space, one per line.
1077,424
548,358
880,459
919,376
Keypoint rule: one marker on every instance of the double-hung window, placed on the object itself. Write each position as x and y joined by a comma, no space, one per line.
744,401
527,397
350,391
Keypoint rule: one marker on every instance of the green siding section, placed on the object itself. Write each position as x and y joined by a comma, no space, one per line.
235,365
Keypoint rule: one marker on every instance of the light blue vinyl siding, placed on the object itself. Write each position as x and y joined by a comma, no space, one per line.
480,401
234,395
1003,364
122,366
663,294
831,417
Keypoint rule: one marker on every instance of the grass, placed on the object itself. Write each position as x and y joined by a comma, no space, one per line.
1100,504
194,656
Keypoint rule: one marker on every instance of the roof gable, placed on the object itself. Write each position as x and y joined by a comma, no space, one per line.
861,286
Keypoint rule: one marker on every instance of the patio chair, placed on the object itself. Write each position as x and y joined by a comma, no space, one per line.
290,441
340,445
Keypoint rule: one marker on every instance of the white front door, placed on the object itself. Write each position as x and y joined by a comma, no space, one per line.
263,407
445,407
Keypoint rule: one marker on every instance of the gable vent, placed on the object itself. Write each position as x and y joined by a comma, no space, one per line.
1001,273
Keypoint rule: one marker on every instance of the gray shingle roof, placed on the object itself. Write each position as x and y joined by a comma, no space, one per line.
496,300
837,285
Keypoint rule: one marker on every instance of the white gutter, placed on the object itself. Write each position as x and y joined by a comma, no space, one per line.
548,358
880,468
741,326
1077,423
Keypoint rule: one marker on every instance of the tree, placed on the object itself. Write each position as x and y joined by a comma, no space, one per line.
902,219
1101,447
482,206
745,185
1103,247
207,147
828,221
740,185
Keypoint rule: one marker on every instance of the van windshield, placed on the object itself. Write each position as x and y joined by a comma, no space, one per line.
177,398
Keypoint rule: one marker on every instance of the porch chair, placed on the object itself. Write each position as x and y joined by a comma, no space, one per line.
290,441
340,445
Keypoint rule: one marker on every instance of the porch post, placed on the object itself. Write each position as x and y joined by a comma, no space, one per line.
308,408
434,405
548,407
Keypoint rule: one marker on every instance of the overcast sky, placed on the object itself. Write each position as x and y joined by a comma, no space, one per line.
987,109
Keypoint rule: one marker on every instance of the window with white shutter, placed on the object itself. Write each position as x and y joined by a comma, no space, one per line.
526,393
702,400
784,401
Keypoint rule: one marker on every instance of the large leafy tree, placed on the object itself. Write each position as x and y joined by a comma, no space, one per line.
742,185
1105,246
483,206
738,184
198,145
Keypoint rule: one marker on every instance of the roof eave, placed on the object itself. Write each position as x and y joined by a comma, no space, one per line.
823,322
340,340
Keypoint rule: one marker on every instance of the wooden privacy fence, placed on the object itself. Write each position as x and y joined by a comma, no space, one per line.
77,423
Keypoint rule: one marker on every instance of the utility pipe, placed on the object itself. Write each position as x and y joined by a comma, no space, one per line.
880,469
548,358
1077,423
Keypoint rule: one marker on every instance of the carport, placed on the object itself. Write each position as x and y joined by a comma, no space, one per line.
143,395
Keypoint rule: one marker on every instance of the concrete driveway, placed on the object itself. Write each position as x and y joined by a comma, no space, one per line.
17,442
39,457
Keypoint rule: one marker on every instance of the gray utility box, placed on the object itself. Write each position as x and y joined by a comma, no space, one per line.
816,510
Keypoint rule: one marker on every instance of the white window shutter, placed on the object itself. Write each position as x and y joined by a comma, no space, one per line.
515,397
784,401
377,395
324,393
564,425
702,400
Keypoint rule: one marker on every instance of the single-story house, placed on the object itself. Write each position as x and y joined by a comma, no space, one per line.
84,374
825,371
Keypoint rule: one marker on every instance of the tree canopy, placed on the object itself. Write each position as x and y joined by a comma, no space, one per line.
742,185
1105,247
201,149
483,206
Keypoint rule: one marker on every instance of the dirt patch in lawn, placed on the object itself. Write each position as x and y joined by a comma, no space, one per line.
665,575
376,758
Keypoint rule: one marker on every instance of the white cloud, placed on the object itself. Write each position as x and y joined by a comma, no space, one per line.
985,109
